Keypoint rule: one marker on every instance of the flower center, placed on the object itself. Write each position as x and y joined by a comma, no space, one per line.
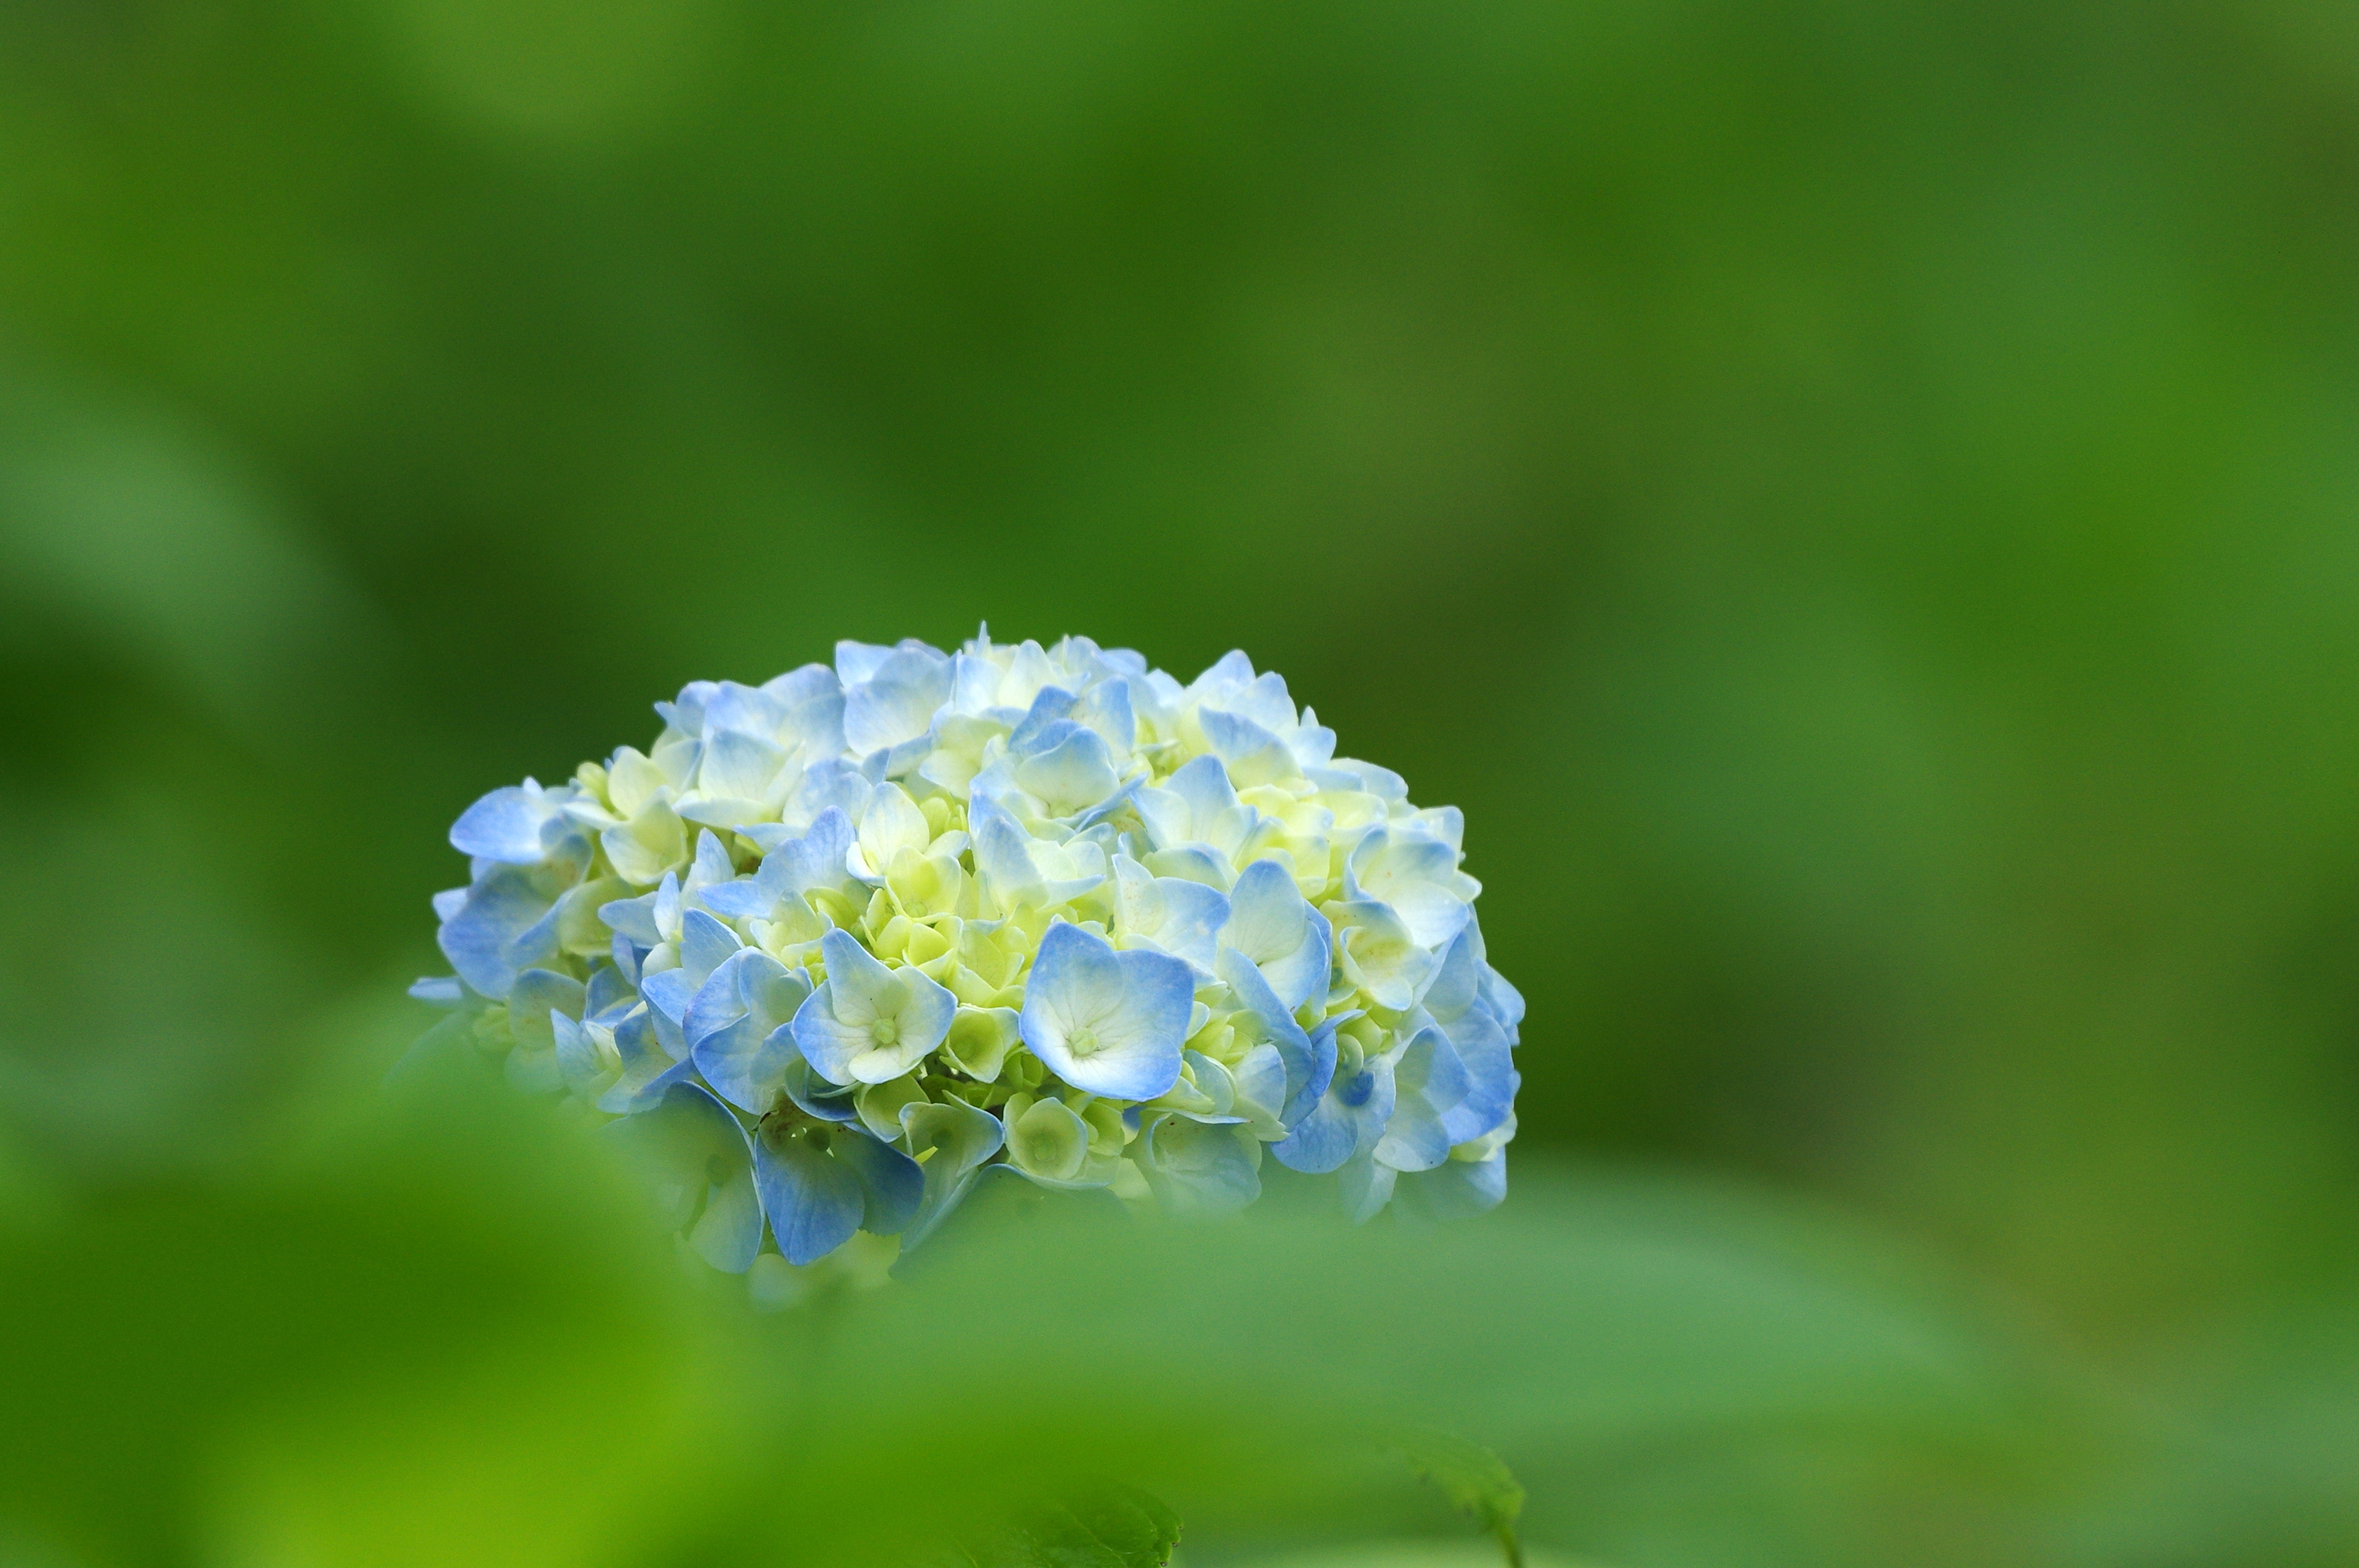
1081,1042
915,909
884,1031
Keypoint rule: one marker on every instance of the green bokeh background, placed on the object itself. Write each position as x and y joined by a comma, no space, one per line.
1858,503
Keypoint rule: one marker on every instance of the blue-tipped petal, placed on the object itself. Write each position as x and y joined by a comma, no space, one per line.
1171,914
1506,1002
1072,775
1415,873
1273,924
868,1023
1322,1141
898,700
793,868
1250,752
539,945
506,825
716,1003
627,956
1429,1081
1106,1023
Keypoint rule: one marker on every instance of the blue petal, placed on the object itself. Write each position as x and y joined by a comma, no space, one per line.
1322,1141
578,1061
858,662
704,945
812,699
898,701
1073,775
1178,917
1491,1077
698,1145
814,1204
894,1183
1506,1002
1107,708
793,866
1457,983
1345,1122
668,992
804,1086
1043,721
1429,1081
480,940
536,994
1275,1024
506,825
631,1101
1250,753
609,989
1321,1075
634,918
536,946
1136,1002
627,956
648,1069
1457,1188
716,1003
746,1059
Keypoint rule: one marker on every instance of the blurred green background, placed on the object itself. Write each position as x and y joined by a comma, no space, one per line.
1859,503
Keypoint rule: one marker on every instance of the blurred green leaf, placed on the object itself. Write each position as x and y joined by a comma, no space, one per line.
1475,1480
1101,1527
448,1328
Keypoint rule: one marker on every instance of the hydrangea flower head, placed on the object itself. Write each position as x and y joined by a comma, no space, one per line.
836,948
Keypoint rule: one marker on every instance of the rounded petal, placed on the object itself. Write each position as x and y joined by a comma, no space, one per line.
814,1202
1199,1167
506,825
1107,1022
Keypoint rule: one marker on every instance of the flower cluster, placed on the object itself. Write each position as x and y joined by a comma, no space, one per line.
838,946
